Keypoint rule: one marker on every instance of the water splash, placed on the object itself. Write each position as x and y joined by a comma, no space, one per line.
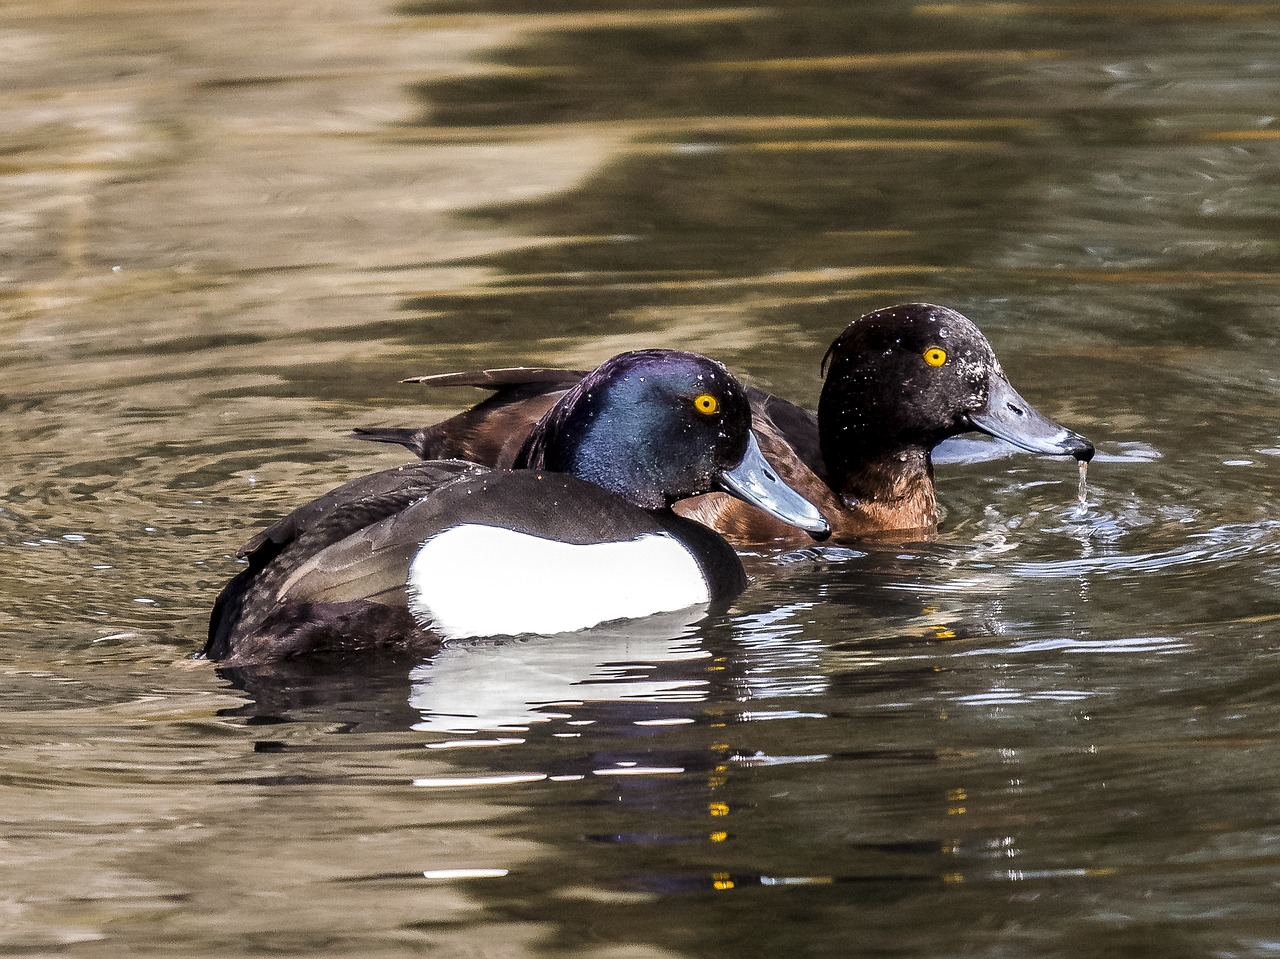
1082,493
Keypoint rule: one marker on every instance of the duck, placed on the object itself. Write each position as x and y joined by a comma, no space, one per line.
896,382
578,531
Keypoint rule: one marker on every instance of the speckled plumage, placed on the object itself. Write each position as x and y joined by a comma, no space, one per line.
863,459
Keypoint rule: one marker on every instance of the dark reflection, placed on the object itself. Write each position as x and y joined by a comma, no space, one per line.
703,218
366,694
737,59
747,171
767,141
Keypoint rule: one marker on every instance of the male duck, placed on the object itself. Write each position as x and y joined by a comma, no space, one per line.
898,382
581,532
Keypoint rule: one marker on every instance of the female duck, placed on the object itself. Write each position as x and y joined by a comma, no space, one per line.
581,533
897,382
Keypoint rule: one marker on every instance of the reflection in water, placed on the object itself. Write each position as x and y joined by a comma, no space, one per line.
505,685
229,229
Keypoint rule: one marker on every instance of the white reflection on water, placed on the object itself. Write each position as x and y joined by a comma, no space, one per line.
450,874
510,684
780,656
463,782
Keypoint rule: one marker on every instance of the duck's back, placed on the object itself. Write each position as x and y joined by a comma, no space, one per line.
492,431
292,557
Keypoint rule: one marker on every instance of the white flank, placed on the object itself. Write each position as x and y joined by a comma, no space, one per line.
487,581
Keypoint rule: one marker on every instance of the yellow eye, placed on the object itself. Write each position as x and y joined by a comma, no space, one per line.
706,404
935,356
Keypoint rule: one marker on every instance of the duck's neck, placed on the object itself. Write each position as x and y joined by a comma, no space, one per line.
883,489
876,458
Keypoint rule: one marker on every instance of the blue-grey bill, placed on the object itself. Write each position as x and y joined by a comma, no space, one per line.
756,482
1011,418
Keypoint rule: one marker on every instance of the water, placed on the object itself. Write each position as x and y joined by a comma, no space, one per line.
229,231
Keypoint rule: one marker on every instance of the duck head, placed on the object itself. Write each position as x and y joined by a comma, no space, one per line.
902,379
656,426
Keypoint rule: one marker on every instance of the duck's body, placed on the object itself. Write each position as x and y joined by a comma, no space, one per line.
582,535
898,382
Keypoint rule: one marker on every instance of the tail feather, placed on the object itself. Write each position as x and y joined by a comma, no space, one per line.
411,439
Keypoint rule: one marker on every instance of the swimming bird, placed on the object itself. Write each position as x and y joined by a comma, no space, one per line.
578,533
897,382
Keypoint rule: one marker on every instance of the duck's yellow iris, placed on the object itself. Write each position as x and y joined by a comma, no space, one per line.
935,356
706,404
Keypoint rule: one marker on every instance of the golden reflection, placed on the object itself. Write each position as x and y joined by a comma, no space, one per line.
1234,136
1107,11
592,20
882,61
652,128
817,146
830,276
858,275
1161,277
721,881
1264,618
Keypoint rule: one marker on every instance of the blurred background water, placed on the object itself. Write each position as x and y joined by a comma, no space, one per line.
228,229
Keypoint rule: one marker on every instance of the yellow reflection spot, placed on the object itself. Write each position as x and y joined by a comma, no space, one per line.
952,877
956,795
718,808
957,811
718,836
716,782
720,747
943,633
721,880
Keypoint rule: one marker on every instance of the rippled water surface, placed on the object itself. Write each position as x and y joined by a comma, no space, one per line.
228,229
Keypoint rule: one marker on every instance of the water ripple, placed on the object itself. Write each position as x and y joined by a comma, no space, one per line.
1219,546
1135,644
